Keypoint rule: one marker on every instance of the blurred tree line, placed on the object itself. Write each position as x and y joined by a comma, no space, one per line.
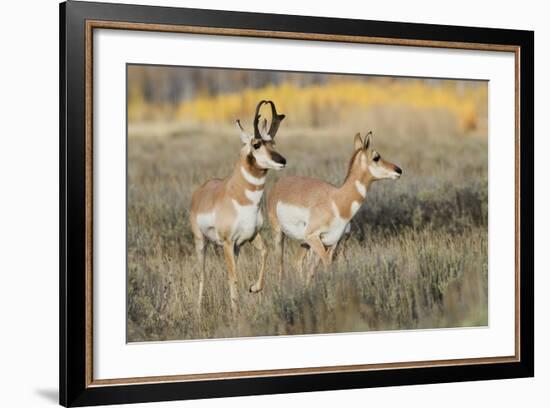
221,95
167,84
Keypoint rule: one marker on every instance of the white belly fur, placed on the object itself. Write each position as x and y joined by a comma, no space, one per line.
293,220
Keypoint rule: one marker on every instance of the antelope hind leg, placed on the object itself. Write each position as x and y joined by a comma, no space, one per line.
315,243
302,253
279,239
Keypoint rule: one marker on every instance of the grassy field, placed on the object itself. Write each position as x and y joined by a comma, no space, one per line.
417,257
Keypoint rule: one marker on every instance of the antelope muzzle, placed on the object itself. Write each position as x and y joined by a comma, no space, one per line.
277,158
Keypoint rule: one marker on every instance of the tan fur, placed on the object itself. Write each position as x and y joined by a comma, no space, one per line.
218,195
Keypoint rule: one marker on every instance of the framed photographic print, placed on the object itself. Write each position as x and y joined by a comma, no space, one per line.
256,203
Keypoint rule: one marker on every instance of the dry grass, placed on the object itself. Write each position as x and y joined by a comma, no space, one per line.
417,257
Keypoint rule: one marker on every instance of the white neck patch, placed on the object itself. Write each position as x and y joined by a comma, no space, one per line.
254,196
361,188
251,179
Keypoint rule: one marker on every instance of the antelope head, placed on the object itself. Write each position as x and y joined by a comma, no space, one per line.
260,147
369,163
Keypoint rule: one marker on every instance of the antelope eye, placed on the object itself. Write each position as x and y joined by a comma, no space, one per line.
376,158
256,145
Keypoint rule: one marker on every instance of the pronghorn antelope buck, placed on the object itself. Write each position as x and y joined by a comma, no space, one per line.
318,213
227,212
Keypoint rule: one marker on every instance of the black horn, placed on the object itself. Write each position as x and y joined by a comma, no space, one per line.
276,120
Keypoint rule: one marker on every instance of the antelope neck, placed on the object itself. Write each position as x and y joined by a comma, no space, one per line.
354,190
248,176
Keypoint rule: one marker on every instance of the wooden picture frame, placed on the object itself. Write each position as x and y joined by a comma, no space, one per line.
78,20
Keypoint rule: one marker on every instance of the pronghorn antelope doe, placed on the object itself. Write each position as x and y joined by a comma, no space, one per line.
227,212
318,213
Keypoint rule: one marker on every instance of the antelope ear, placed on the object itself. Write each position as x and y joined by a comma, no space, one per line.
368,139
358,142
245,137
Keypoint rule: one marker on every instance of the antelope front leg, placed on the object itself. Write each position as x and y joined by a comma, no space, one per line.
315,243
259,244
229,252
342,244
330,253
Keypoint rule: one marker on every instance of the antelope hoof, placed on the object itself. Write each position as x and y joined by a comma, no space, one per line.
255,288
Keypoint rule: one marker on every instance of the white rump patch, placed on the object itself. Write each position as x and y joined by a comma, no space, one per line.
251,179
361,189
293,220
